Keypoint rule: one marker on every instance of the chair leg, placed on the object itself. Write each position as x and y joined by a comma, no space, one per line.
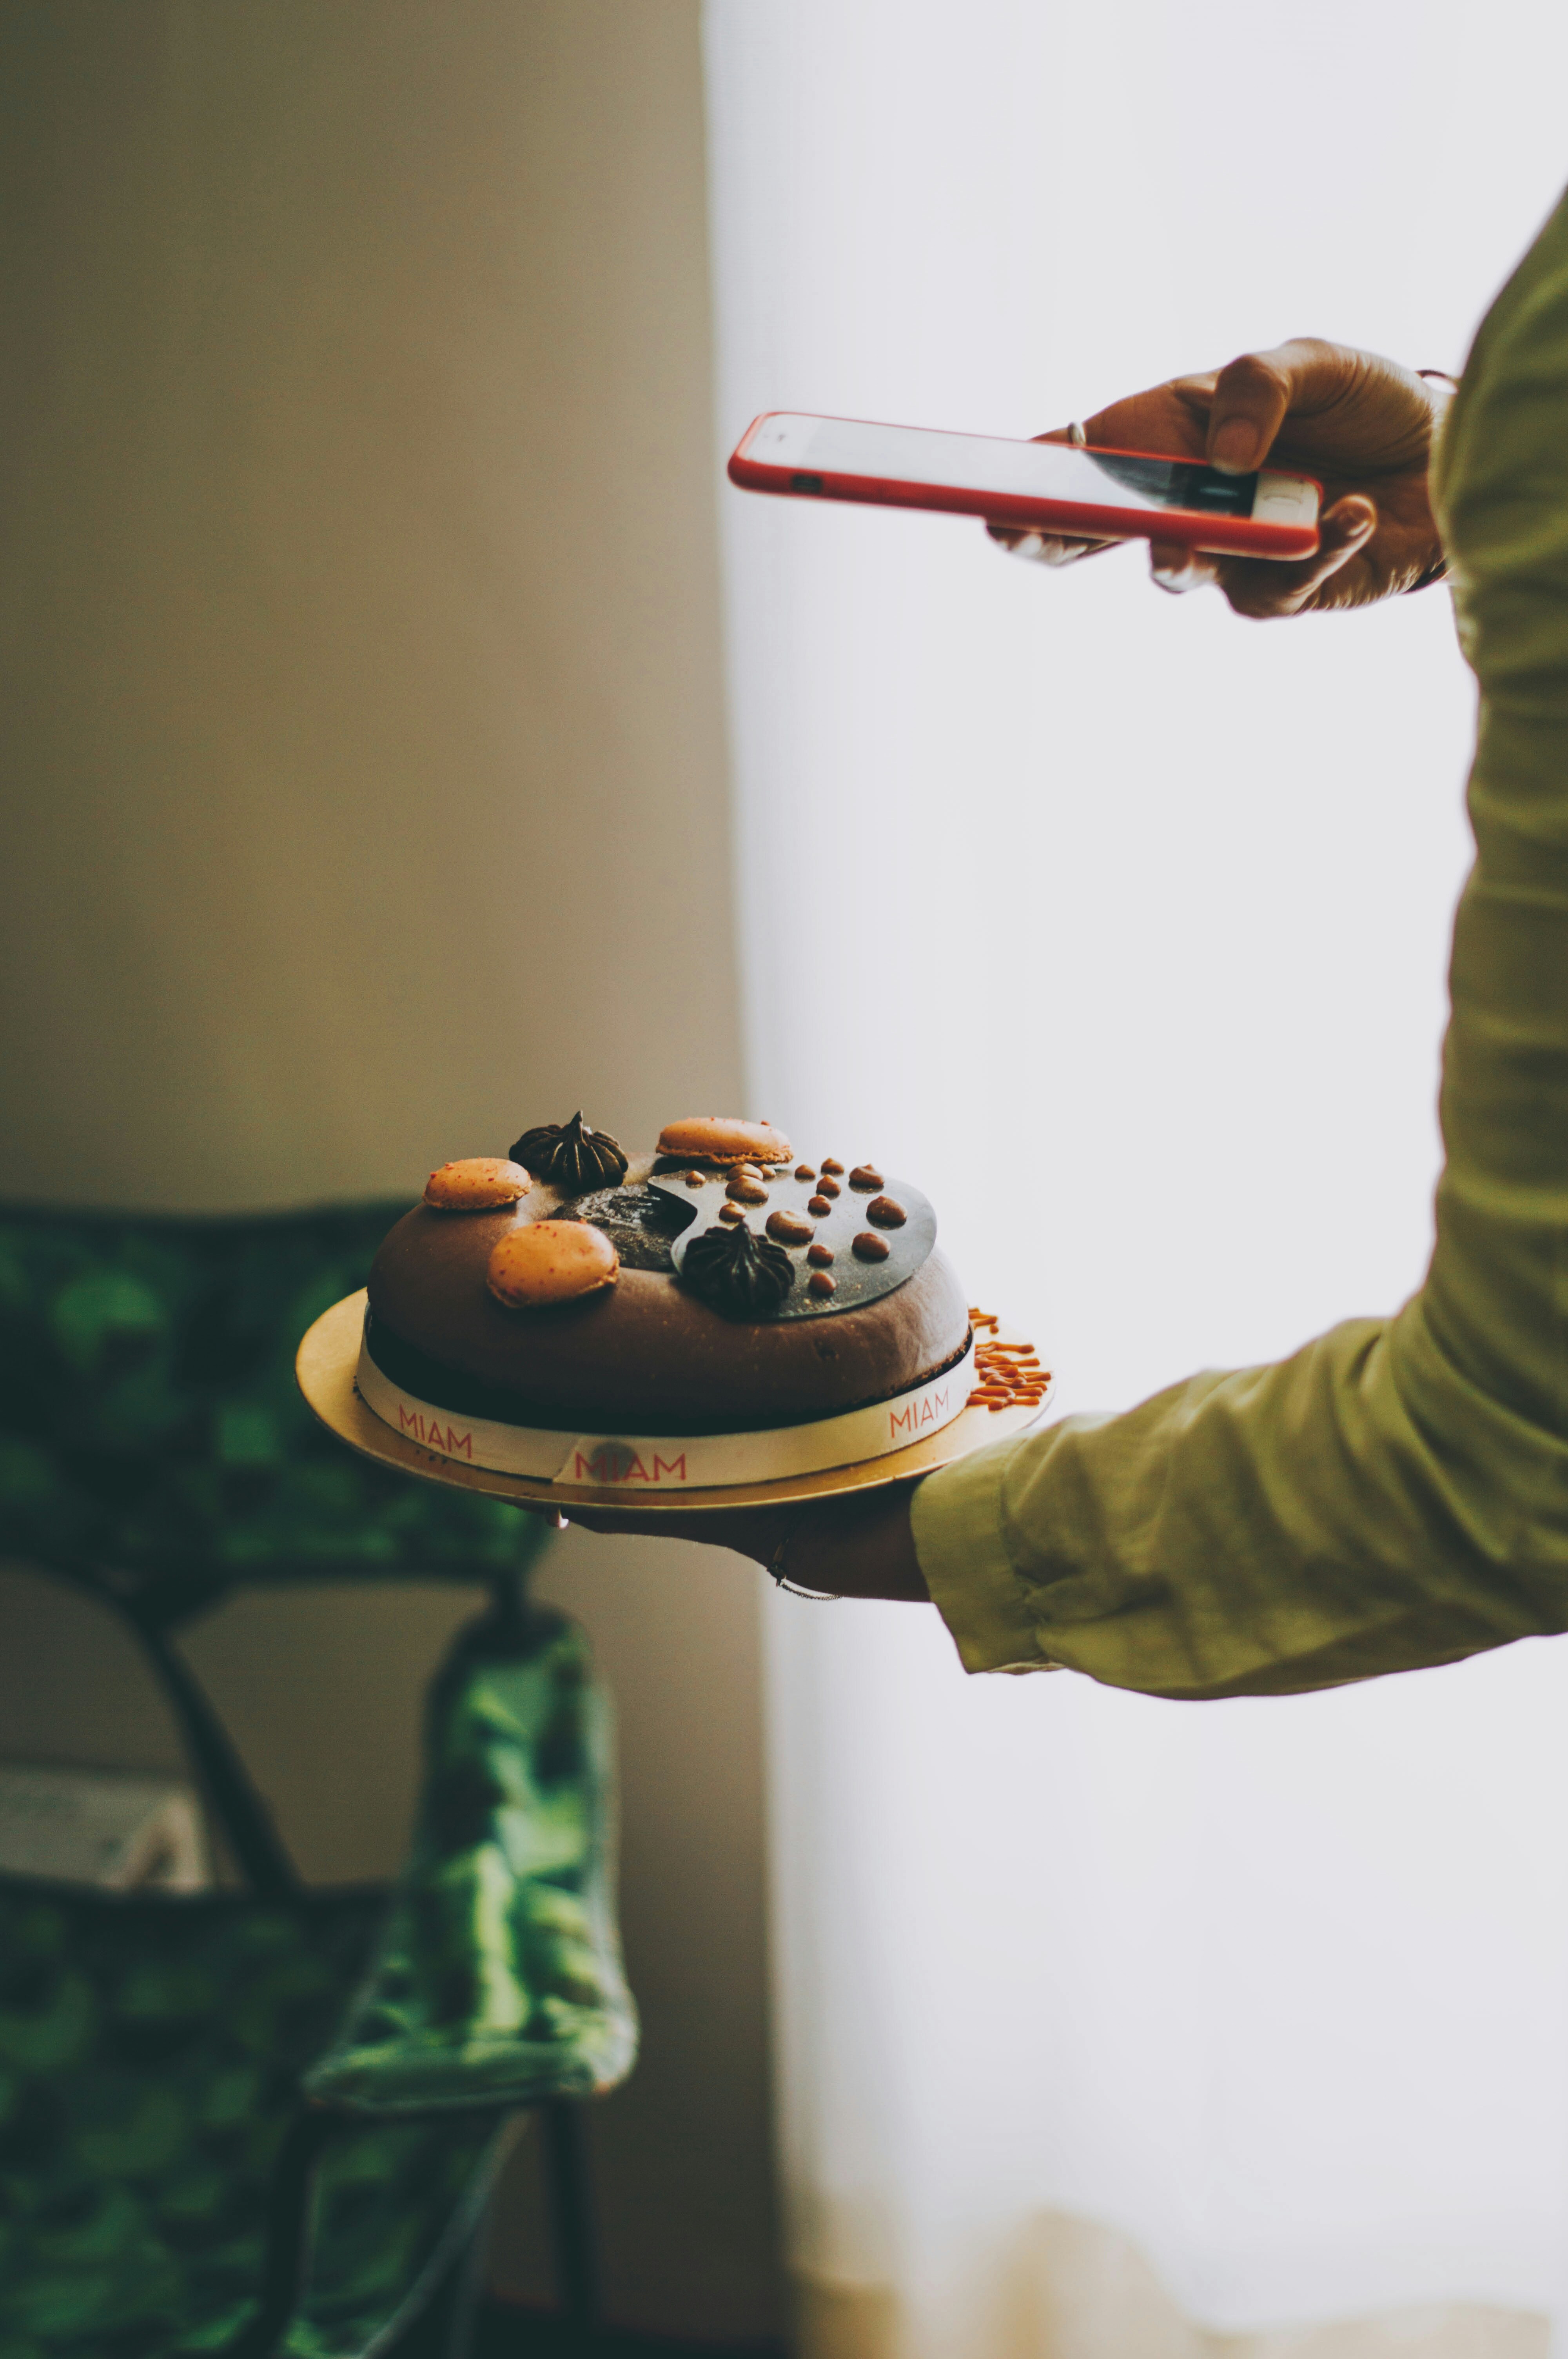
288,2236
467,2280
444,2324
567,2174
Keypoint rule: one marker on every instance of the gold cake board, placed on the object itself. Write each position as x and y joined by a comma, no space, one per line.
330,1354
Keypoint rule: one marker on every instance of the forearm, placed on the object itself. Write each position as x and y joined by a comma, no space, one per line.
1259,1532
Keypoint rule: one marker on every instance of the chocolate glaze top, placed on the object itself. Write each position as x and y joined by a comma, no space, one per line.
645,1354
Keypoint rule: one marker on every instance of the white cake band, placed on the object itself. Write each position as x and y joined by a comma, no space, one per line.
687,1462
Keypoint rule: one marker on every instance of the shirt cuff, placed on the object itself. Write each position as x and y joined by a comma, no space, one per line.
957,1519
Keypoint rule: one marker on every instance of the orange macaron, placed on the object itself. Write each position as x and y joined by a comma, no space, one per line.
542,1262
724,1138
477,1184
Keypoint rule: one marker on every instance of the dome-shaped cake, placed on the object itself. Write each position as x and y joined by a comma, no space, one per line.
731,1290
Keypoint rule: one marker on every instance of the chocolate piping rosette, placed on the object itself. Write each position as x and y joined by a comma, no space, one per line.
571,1156
739,1273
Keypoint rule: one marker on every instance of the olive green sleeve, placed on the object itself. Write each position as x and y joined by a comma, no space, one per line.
1396,1494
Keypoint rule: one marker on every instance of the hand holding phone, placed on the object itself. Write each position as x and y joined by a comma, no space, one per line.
1362,425
1045,487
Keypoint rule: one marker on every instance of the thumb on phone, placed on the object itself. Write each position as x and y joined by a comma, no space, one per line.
1254,394
1252,398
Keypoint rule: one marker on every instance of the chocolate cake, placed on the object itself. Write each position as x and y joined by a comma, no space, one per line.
716,1286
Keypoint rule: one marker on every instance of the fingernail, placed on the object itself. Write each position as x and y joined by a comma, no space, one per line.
1234,448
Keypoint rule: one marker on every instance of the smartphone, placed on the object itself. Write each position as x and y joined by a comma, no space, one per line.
1057,487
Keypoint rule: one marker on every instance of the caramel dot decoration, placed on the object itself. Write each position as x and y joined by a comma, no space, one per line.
831,1165
884,1213
828,1188
747,1189
788,1228
731,1211
819,1283
819,1206
543,1262
819,1255
865,1178
804,1171
477,1184
869,1246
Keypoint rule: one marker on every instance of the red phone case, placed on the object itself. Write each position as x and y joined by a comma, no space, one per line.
1220,535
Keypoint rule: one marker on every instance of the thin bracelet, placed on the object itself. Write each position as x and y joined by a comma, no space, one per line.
775,1566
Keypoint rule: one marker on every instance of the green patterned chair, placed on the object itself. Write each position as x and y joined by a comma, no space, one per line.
267,2120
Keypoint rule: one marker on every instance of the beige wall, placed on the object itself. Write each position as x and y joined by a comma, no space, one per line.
364,801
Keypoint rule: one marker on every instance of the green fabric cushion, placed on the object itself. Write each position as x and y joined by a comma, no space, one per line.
150,1422
498,1978
150,2053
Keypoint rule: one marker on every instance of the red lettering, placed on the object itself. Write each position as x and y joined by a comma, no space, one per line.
410,1417
456,1442
614,1462
905,1418
609,1463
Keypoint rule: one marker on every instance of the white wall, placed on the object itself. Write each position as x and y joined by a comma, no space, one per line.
364,801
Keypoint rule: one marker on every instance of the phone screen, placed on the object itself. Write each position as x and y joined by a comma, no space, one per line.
983,462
